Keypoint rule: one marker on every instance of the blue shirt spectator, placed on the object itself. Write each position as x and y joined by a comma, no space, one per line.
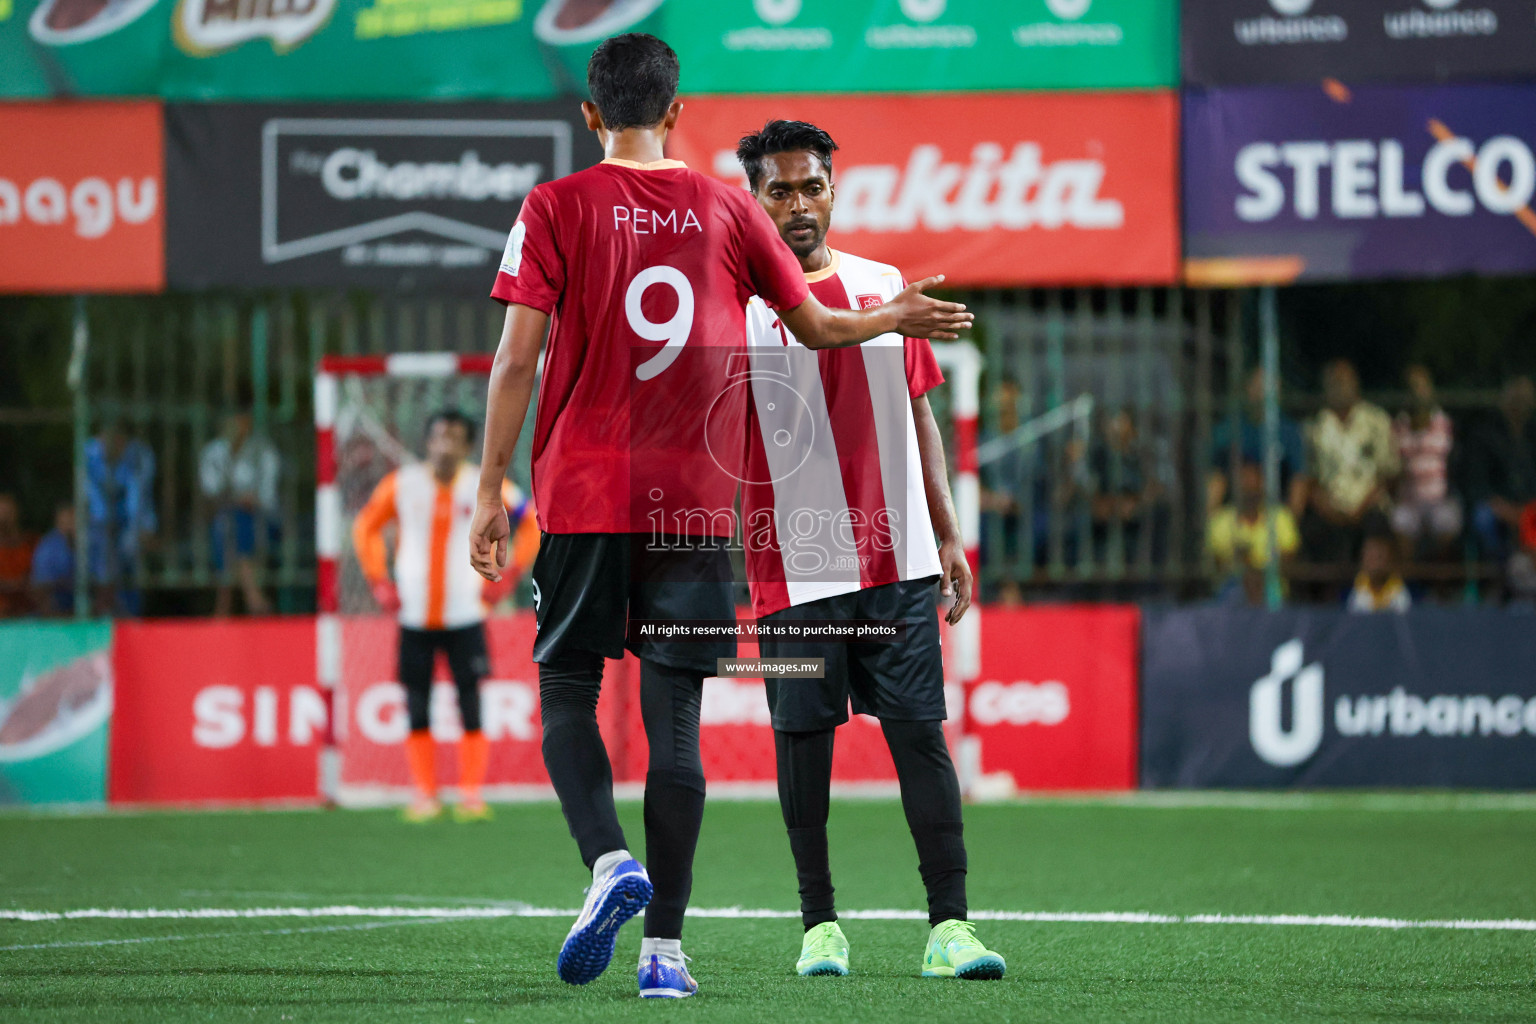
1250,436
119,492
53,565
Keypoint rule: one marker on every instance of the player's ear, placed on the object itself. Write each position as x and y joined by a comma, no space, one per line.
670,121
592,116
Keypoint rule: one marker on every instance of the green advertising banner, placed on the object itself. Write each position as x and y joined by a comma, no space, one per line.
759,46
55,705
536,49
306,49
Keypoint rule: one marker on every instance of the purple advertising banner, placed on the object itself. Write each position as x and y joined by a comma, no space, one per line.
1327,183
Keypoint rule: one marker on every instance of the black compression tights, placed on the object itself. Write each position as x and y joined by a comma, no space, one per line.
930,796
579,768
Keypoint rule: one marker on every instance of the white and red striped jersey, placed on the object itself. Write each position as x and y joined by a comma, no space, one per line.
1425,454
833,496
438,587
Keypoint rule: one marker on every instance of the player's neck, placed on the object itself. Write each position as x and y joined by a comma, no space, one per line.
637,145
446,477
820,259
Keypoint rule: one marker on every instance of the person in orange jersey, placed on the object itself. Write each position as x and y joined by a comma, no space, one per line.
440,599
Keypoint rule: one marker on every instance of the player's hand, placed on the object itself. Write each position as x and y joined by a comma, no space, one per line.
495,593
955,583
922,317
386,596
488,536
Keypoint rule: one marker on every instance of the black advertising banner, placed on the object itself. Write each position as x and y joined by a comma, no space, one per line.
1250,698
1242,42
378,196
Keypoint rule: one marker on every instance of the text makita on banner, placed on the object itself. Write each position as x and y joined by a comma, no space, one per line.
377,196
307,49
1436,697
998,190
82,197
1315,183
928,45
1237,42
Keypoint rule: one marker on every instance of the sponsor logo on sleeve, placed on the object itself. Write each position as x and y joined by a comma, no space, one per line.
512,256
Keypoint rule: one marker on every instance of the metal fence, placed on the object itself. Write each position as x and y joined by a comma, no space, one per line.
171,372
1105,501
1098,413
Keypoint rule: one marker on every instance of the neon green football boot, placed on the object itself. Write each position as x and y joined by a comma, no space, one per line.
955,952
824,951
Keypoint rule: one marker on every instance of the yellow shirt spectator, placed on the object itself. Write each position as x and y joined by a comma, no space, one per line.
1237,542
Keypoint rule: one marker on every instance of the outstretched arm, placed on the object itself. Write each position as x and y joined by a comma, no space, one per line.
511,389
910,313
956,571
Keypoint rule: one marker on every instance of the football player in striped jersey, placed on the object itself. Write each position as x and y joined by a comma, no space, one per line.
844,492
440,600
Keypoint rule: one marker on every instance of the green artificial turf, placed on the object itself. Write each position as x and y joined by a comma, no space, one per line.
1415,859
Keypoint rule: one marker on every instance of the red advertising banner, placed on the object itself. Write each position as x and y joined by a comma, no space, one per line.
734,730
1022,189
82,197
1055,706
374,725
223,711
215,711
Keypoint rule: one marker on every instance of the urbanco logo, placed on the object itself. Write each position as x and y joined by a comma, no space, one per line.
1281,747
776,12
1069,10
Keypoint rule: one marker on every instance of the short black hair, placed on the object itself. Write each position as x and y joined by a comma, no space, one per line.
453,416
633,80
782,137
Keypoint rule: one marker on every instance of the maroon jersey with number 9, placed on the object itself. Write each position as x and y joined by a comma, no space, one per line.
646,270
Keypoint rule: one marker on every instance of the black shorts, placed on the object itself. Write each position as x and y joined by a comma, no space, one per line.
588,587
464,648
901,680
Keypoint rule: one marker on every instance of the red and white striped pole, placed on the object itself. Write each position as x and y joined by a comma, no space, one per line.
329,527
328,578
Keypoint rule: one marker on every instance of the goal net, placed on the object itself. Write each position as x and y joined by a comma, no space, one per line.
371,418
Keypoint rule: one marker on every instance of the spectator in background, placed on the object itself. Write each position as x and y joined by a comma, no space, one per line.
1128,483
1250,448
1501,468
1004,494
1354,463
1427,517
238,472
53,566
15,560
1378,586
1238,539
119,495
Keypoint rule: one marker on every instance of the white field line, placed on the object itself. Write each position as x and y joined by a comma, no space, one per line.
443,914
226,935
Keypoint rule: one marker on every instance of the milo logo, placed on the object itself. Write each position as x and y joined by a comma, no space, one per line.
205,27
